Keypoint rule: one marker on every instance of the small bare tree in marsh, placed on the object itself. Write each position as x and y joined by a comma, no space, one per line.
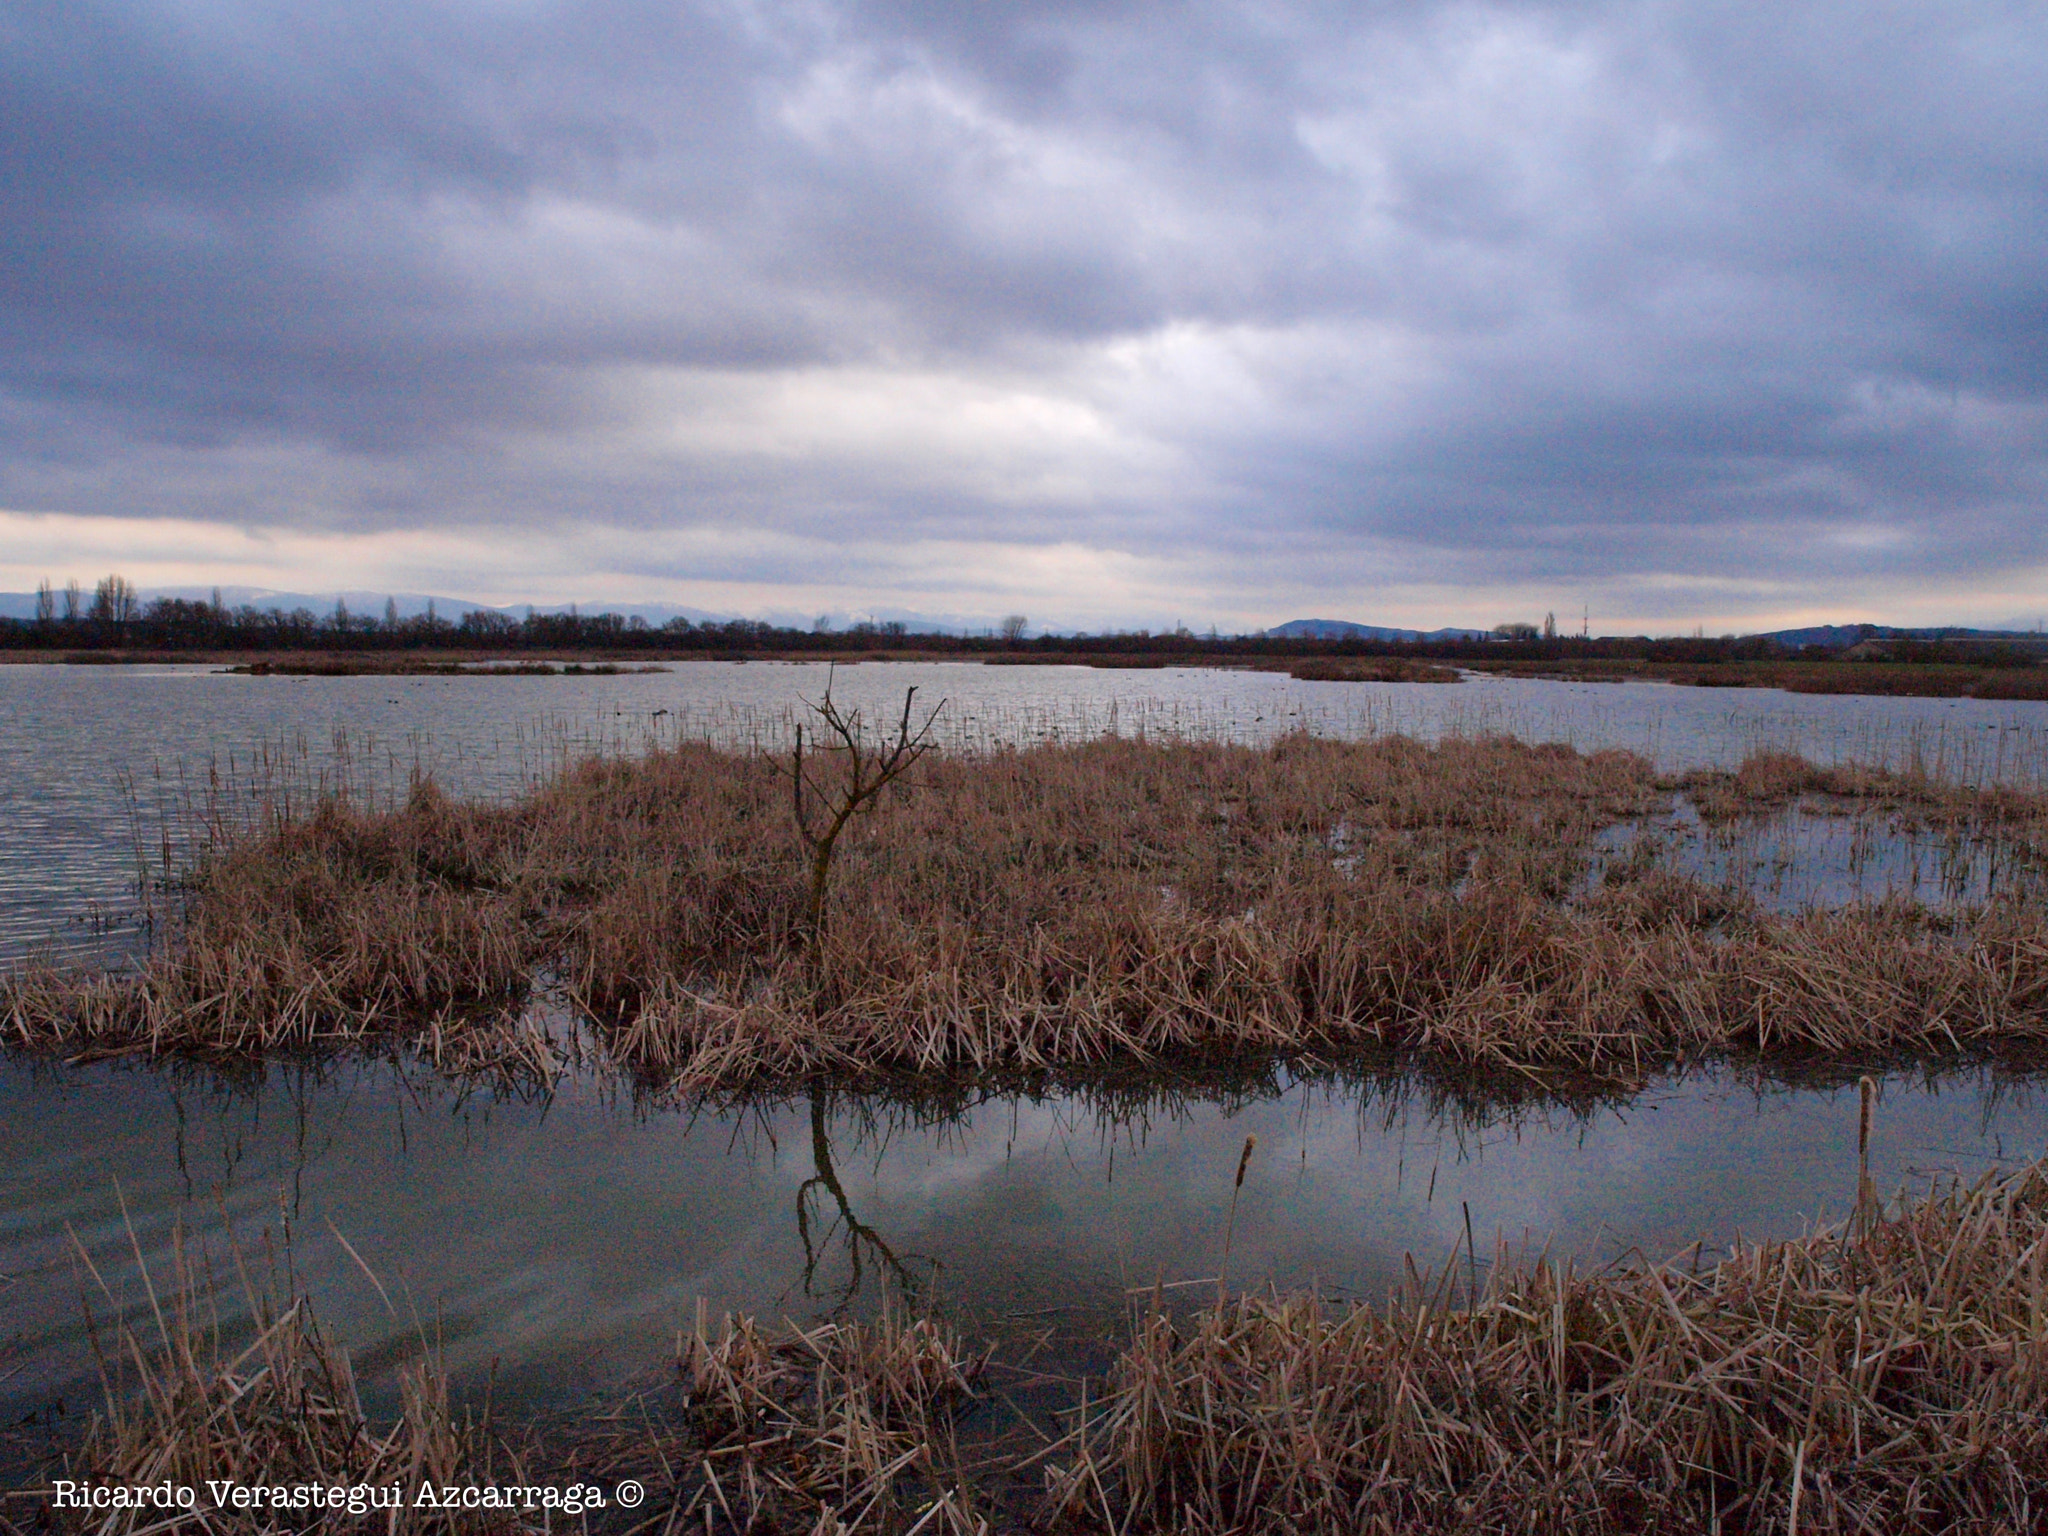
823,810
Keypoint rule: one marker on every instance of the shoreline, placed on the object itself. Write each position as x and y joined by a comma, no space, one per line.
1887,1370
1306,661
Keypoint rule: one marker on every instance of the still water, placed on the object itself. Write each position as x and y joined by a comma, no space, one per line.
566,1240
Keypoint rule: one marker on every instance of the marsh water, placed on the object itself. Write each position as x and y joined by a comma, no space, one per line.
103,769
560,1243
564,1237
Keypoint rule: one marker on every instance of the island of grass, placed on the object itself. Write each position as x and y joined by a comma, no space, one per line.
1064,905
413,666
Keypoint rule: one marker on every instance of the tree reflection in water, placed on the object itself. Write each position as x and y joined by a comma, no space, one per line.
863,1244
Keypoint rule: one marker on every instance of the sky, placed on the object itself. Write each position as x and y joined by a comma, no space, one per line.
1659,314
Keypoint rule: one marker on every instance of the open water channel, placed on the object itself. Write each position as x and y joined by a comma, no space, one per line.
564,1238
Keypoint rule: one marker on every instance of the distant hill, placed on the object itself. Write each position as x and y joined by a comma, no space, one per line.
1833,637
1839,637
1343,629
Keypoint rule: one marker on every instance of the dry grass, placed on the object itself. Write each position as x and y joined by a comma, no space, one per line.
842,1428
1890,1375
1115,901
185,1407
1895,1381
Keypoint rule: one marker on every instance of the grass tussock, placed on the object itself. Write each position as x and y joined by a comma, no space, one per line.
193,1400
842,1428
1110,902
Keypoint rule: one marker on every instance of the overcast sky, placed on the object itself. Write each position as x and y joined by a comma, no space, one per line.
1681,311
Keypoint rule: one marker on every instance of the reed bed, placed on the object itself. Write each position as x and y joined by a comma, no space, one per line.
1114,901
1888,1376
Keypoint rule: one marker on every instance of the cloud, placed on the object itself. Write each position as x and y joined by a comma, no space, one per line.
1359,308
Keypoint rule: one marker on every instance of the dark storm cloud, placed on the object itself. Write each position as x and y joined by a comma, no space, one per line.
1574,290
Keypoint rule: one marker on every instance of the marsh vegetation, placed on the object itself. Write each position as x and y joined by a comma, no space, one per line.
728,921
1887,1374
1107,901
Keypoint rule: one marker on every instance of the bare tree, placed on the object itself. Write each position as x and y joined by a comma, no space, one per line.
1013,628
823,810
114,601
46,602
73,600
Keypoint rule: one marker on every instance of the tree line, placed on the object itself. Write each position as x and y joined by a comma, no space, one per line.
112,618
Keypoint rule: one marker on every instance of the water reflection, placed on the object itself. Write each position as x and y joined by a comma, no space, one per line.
566,1238
860,1244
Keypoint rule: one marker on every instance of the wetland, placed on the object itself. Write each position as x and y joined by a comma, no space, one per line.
1163,1046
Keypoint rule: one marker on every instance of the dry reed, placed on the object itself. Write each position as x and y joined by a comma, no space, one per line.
1894,1380
191,1404
1890,1374
1114,901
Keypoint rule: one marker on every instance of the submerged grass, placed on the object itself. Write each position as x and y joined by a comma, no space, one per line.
1888,1375
1114,901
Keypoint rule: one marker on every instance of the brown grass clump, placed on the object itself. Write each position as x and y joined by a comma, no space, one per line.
843,1428
1896,1382
1114,901
318,931
187,1409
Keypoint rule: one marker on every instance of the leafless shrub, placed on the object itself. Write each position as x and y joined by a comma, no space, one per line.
863,771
